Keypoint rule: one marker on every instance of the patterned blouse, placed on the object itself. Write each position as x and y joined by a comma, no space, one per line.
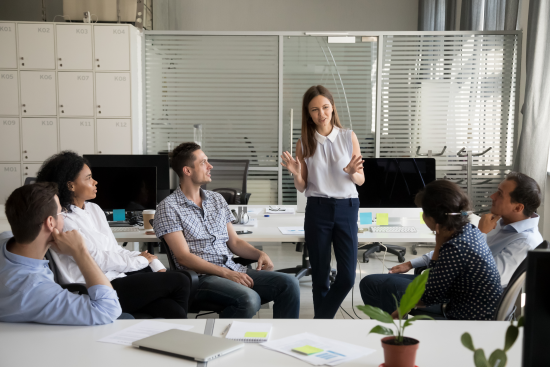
465,277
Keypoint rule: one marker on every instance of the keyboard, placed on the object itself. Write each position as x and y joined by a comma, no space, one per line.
125,229
391,229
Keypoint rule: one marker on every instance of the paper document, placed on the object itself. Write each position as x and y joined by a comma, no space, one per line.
292,230
280,210
140,331
252,222
254,211
316,350
249,332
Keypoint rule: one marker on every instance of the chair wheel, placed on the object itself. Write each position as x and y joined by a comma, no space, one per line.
414,252
401,258
365,260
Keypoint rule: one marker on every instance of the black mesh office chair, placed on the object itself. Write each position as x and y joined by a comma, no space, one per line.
229,179
30,180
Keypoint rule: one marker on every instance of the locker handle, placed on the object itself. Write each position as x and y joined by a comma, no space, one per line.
24,151
98,106
61,105
99,152
96,59
60,59
21,58
23,105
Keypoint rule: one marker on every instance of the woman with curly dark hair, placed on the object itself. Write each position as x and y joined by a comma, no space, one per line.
140,279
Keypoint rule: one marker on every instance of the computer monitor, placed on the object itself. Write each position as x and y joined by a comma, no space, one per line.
537,309
394,182
160,161
128,188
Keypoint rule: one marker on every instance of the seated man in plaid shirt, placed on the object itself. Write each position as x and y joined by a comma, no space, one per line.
196,225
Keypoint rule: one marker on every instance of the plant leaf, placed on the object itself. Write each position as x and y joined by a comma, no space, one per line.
376,314
521,322
497,358
417,317
479,358
467,341
379,329
414,292
511,336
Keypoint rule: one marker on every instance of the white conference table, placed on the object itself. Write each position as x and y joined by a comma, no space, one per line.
60,346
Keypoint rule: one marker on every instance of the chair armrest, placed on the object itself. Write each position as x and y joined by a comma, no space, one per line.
193,281
243,261
419,270
75,287
246,197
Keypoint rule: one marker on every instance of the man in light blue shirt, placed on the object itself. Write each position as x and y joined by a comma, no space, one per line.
28,292
511,231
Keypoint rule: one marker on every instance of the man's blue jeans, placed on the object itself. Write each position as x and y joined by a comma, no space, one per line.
243,302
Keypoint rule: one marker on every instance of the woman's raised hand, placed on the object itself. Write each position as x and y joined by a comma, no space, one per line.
291,164
355,165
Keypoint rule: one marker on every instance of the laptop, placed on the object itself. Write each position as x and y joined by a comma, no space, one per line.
185,344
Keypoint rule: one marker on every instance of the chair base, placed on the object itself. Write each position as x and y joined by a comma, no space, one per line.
399,251
304,269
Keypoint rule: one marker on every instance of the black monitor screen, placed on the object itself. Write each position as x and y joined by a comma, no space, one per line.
394,182
129,188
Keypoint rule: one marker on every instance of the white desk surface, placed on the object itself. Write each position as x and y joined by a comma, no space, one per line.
60,346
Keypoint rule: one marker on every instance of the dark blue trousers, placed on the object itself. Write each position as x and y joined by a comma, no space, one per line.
331,221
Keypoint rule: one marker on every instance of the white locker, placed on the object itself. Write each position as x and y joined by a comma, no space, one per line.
76,93
36,45
112,91
10,176
10,151
38,94
114,136
8,56
39,138
29,170
9,92
74,47
112,47
77,135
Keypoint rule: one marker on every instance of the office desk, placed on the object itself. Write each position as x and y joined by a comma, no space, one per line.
60,346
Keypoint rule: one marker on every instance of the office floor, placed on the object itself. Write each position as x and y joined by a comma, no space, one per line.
285,256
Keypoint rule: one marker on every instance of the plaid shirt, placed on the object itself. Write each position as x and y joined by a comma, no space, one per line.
205,233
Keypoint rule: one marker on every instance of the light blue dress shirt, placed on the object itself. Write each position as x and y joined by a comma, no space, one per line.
509,245
28,293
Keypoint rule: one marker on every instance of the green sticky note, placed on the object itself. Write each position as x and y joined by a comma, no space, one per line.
422,218
382,219
255,334
307,350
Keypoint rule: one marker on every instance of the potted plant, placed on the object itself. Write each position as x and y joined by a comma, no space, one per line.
399,350
498,357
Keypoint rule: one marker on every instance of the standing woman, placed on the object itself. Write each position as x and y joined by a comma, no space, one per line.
328,165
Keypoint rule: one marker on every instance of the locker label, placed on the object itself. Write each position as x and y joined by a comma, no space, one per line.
121,124
46,77
10,169
6,76
84,77
5,29
85,123
47,123
81,31
120,78
118,31
8,122
43,30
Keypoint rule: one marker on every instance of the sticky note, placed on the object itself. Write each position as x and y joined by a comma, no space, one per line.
307,350
119,215
382,219
422,218
255,334
365,218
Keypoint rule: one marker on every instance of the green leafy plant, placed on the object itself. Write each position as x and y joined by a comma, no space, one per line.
498,357
412,295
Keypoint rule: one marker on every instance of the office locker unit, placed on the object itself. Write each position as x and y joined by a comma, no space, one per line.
8,56
39,138
36,44
10,150
76,93
77,135
38,93
9,93
74,47
114,136
10,176
112,47
113,94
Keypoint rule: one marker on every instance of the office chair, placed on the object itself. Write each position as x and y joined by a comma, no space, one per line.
30,180
304,269
399,251
227,175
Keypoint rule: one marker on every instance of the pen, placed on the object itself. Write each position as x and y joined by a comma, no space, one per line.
226,330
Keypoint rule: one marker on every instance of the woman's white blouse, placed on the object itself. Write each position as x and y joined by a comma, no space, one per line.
112,259
325,169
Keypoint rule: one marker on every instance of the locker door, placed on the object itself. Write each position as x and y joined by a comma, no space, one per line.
76,93
8,56
10,179
29,170
9,93
112,91
39,138
112,48
38,95
74,47
77,135
10,150
114,136
36,46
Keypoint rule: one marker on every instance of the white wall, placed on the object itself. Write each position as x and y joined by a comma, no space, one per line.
285,15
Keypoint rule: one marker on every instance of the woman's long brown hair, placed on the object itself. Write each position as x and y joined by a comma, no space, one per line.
308,142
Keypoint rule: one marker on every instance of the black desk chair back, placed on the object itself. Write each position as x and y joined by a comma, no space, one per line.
229,178
71,287
30,180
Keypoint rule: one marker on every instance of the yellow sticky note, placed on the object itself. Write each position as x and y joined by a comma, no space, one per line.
422,218
307,350
255,334
382,219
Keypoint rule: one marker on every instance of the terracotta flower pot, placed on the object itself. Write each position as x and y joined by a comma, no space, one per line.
399,355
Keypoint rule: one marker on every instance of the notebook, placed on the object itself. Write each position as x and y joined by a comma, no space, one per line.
249,332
